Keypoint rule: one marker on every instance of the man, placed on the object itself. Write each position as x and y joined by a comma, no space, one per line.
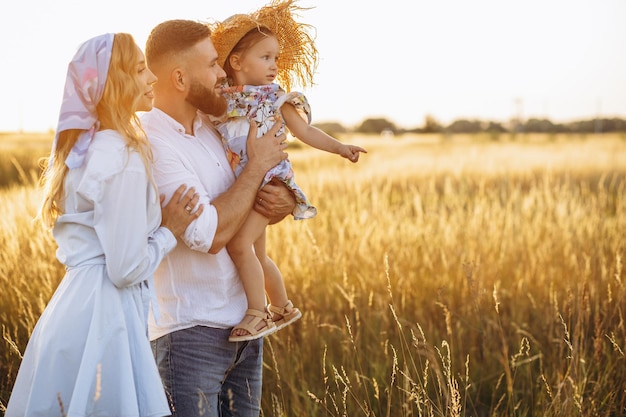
199,292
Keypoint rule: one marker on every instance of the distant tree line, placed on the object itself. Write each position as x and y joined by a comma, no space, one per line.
532,125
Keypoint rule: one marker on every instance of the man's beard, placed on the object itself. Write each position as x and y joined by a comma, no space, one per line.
206,100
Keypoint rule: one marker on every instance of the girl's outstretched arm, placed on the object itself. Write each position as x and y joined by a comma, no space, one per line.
315,137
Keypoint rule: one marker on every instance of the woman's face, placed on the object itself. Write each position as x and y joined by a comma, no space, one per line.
146,80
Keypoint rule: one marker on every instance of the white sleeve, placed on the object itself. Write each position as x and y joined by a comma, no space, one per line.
120,221
171,170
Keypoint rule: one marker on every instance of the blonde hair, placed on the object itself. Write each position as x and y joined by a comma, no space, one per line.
116,110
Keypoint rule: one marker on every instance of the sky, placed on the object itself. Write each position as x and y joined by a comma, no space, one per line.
400,60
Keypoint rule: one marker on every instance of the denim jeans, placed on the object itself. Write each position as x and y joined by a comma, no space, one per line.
206,375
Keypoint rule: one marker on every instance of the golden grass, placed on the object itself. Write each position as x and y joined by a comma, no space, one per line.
441,277
20,154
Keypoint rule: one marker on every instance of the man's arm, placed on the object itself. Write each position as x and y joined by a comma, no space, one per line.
234,205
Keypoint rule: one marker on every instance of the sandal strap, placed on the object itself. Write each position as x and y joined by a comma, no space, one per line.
281,310
258,313
258,316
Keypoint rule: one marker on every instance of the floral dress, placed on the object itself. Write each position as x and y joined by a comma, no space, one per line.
261,103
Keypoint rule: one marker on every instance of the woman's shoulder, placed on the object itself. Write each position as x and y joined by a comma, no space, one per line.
108,139
107,158
109,155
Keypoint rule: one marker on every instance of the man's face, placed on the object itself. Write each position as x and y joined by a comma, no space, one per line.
206,99
205,76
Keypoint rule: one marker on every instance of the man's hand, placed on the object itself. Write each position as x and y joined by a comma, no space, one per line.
268,150
275,201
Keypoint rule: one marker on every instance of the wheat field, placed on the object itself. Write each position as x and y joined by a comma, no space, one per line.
443,276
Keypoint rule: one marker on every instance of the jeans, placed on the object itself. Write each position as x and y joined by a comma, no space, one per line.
206,375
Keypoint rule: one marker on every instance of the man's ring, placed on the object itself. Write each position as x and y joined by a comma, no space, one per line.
260,200
188,208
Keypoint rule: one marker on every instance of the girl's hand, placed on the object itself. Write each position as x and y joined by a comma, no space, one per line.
181,210
351,152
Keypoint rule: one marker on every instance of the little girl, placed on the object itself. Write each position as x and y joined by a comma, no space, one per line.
254,50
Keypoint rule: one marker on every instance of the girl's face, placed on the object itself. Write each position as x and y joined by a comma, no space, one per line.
146,80
257,65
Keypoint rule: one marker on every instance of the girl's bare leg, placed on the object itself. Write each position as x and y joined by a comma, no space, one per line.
241,250
283,311
274,284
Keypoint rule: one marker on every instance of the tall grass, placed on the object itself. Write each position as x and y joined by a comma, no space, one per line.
440,278
20,155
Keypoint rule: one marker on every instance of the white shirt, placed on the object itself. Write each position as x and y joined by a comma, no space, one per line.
108,206
193,287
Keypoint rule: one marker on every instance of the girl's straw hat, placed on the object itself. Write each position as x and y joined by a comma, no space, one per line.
298,56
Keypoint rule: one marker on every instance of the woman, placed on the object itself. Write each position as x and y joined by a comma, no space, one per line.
89,353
